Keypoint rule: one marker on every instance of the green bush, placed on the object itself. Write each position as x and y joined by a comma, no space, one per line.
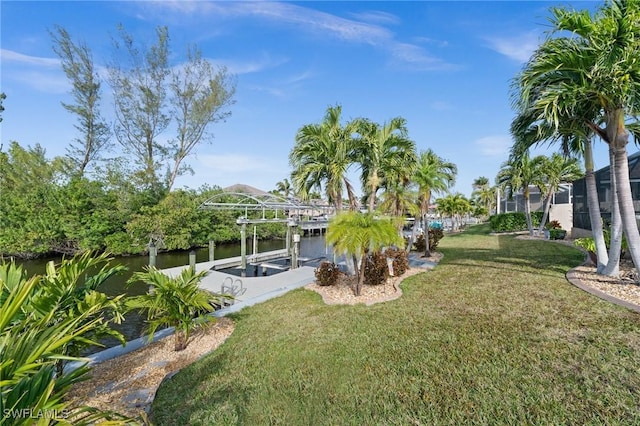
512,222
557,234
435,235
376,270
327,274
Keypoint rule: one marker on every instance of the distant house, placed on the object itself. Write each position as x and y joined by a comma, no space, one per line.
561,204
581,221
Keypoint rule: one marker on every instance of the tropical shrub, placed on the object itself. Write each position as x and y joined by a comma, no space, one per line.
420,244
512,222
34,337
435,235
327,273
400,260
376,270
175,302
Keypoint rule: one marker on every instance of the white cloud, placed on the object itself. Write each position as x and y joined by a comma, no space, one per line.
518,47
377,17
494,146
318,23
265,61
15,57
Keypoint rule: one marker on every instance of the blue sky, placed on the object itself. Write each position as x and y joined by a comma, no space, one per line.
445,67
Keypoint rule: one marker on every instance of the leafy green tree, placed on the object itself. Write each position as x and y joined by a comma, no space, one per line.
174,302
140,95
29,203
199,97
359,234
383,151
593,69
433,175
321,158
555,171
78,66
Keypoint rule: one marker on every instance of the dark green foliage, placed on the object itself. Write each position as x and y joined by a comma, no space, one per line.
400,260
327,274
420,243
435,235
557,234
511,222
376,270
44,211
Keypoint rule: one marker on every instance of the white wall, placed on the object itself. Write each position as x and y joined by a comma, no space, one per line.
563,213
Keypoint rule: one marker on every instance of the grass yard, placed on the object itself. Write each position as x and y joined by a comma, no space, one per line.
494,335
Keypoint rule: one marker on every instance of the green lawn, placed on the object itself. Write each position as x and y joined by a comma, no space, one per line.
494,335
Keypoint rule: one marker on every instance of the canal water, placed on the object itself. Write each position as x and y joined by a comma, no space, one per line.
312,247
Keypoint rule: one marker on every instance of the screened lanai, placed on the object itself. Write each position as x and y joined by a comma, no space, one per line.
603,184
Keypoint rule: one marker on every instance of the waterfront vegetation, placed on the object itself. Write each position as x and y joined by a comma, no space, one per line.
44,211
494,335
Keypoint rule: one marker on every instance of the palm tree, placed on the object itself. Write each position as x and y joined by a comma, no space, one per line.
483,194
284,188
383,152
321,157
595,66
174,302
454,206
554,171
575,138
358,234
519,174
433,175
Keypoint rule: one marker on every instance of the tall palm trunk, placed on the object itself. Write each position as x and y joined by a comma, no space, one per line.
545,215
527,209
612,267
619,137
594,206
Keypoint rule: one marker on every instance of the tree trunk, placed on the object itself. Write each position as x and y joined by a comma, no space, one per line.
612,268
619,137
545,215
593,205
527,210
360,281
427,251
179,340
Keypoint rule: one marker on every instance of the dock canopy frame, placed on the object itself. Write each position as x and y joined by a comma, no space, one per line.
289,210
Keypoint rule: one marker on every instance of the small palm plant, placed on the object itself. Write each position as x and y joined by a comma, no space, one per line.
359,234
174,302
